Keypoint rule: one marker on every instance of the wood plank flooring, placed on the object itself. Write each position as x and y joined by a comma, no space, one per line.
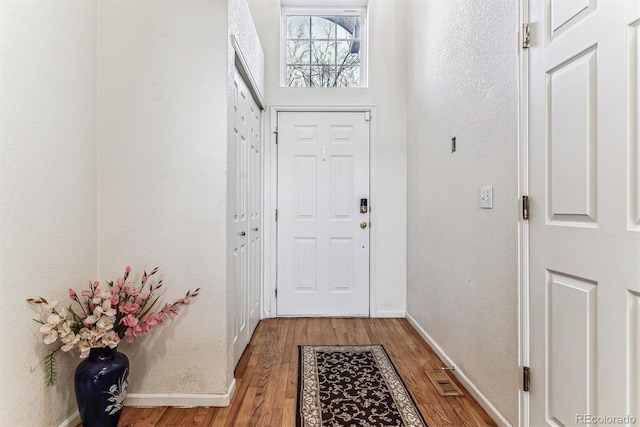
268,370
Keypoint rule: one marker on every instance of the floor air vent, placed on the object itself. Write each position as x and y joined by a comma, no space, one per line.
443,383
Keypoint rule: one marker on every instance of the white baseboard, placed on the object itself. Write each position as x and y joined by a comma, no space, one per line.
72,421
178,400
181,400
390,314
471,388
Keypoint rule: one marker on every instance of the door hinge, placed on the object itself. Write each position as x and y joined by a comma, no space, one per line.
526,378
525,207
276,134
526,36
276,292
276,215
367,116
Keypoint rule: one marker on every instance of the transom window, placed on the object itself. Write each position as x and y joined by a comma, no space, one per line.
323,48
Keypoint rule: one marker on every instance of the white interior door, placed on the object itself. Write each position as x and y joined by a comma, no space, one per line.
245,234
323,237
585,217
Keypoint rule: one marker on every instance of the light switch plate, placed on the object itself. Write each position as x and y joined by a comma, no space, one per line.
486,197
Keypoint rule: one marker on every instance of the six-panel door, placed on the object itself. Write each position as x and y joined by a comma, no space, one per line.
245,234
323,237
585,241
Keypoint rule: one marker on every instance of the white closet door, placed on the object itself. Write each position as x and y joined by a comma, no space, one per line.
245,232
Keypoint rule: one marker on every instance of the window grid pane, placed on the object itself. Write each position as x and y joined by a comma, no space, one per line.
298,76
323,27
298,27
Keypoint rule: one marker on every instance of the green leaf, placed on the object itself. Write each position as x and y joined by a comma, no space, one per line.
51,366
150,307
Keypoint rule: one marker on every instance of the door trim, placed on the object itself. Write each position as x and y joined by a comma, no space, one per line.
245,73
524,314
270,185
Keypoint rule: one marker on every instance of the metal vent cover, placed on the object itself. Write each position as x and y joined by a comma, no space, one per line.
443,383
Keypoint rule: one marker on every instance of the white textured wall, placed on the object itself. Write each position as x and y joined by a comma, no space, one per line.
113,153
242,27
162,189
47,190
462,264
388,91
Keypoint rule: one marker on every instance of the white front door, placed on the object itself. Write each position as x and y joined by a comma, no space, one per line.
323,237
585,217
246,203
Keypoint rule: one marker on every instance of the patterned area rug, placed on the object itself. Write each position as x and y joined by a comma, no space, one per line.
349,385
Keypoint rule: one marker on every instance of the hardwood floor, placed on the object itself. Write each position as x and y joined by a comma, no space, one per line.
268,370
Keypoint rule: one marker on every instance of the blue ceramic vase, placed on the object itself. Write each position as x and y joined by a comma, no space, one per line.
101,386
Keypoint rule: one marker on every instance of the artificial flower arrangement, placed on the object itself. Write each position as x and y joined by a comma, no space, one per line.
103,316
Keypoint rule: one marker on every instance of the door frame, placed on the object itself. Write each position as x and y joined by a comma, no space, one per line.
524,313
270,200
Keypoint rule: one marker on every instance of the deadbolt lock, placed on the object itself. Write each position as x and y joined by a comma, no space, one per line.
363,225
364,208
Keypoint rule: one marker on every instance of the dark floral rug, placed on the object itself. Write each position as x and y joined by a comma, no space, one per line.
352,385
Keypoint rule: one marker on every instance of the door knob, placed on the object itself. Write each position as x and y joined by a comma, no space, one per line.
243,233
255,228
363,225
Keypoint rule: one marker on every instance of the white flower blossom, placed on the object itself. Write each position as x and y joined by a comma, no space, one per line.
69,341
50,328
106,322
51,337
102,308
111,339
85,348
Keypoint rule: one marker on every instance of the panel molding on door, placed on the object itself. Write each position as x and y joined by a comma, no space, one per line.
323,252
566,14
633,344
571,353
571,105
634,127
